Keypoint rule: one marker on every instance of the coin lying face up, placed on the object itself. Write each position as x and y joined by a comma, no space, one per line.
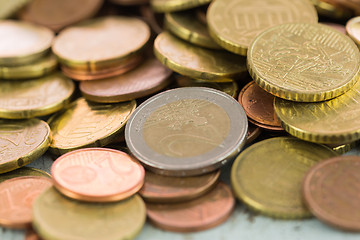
186,131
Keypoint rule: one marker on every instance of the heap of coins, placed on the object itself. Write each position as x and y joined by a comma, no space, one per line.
150,109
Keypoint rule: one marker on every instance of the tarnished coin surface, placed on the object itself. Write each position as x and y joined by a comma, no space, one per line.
21,142
186,131
304,62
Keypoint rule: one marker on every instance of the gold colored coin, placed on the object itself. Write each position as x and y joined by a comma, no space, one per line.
100,42
36,97
304,62
8,8
21,142
176,5
343,148
34,69
86,124
336,121
23,171
353,29
328,9
186,26
234,24
197,62
58,217
267,176
22,43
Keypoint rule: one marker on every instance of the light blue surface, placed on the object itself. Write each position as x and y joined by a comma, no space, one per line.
242,225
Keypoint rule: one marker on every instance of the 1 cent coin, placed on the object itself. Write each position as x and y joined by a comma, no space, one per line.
97,175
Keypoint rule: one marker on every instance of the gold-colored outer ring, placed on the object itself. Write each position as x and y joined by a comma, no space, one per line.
176,5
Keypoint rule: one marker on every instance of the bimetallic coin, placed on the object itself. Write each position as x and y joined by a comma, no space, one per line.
97,175
331,192
259,106
146,79
100,42
22,43
304,62
36,97
186,131
86,124
9,8
163,189
57,14
336,121
205,212
267,175
234,24
176,5
186,26
34,69
58,217
353,29
197,62
17,196
23,171
21,142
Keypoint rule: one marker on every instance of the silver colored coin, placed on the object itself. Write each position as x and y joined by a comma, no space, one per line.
186,131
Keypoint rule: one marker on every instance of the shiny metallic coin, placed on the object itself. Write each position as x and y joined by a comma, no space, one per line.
202,213
22,172
58,217
144,80
176,5
159,188
17,196
331,192
21,142
186,131
35,97
353,29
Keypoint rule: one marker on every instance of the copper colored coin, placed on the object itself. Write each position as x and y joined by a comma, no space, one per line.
16,198
259,107
97,175
331,192
202,213
253,132
148,78
57,14
159,188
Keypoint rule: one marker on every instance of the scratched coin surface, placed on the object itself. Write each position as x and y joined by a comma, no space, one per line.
353,29
267,176
100,41
176,5
21,142
331,192
36,97
57,14
22,42
146,79
164,189
186,131
197,62
97,175
17,196
259,106
58,217
336,121
87,124
234,24
23,171
199,214
304,62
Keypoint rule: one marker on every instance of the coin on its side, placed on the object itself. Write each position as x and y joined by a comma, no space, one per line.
331,191
176,5
23,171
267,175
304,62
87,124
97,175
197,62
35,97
21,142
234,24
58,217
186,131
353,29
202,213
17,196
164,189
